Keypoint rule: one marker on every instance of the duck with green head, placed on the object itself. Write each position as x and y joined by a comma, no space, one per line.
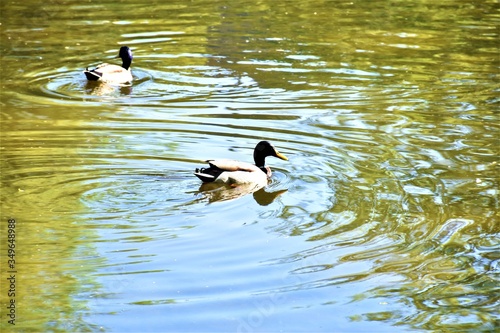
235,172
113,74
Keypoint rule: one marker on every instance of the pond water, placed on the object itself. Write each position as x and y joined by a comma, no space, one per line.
384,219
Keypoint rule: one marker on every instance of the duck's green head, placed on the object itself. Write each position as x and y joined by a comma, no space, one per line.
264,149
125,53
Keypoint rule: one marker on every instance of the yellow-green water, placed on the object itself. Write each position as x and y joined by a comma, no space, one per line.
384,219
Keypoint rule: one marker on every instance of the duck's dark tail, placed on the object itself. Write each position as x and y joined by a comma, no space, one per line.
92,75
204,177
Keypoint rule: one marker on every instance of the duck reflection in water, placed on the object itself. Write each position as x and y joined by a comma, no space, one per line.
220,192
98,88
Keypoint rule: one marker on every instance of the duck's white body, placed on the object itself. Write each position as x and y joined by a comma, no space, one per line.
235,172
109,73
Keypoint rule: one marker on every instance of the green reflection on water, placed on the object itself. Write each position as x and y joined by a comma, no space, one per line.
54,259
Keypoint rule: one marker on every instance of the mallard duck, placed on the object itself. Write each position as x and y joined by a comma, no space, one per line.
113,73
234,172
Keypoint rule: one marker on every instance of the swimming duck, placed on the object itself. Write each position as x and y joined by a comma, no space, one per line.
113,73
234,172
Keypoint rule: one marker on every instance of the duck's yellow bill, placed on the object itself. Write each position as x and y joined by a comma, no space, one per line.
280,155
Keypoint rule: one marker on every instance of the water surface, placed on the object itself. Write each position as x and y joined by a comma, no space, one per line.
384,219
